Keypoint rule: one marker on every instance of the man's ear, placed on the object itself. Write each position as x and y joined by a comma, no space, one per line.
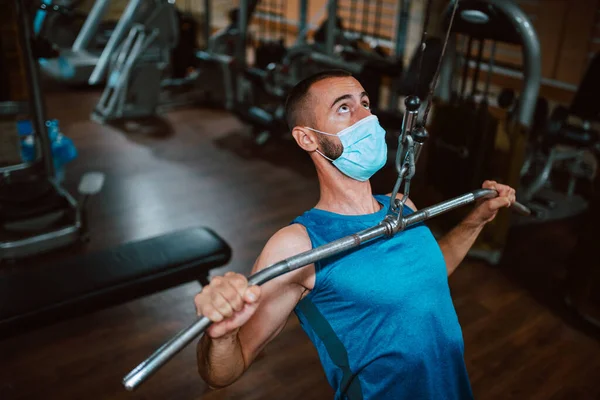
305,138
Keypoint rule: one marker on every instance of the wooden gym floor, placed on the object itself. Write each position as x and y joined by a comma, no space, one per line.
198,167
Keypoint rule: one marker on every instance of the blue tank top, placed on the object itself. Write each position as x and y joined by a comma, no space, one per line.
381,316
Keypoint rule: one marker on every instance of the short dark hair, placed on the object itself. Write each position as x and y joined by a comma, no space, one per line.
295,105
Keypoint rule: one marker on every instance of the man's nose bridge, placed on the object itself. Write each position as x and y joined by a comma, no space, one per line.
361,114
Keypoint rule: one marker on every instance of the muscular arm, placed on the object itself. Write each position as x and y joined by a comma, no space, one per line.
223,360
456,244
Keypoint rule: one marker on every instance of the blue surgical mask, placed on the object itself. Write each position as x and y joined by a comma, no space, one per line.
365,149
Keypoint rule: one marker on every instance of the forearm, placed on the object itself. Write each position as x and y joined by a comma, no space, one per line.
220,361
456,244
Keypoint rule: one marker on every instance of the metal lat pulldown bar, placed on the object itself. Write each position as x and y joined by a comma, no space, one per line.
385,228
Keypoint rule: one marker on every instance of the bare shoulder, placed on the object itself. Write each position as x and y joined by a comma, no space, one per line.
287,242
409,202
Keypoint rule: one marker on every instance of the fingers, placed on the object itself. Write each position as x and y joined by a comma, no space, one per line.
221,303
252,294
512,196
234,287
225,296
489,185
208,311
494,205
504,191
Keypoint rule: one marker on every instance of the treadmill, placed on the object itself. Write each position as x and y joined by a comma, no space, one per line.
82,63
73,64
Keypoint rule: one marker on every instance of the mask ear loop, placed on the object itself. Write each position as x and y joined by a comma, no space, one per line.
345,130
318,131
341,133
323,133
324,156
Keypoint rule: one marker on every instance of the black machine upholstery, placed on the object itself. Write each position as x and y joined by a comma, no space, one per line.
575,136
585,103
584,106
33,296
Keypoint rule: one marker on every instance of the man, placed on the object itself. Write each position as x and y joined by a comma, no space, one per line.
380,316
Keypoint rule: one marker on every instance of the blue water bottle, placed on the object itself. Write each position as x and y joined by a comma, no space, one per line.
63,149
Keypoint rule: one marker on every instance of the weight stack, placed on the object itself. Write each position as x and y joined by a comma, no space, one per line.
462,147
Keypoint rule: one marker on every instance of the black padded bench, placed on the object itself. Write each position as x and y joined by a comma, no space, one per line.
34,296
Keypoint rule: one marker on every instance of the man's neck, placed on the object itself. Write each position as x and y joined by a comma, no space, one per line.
343,195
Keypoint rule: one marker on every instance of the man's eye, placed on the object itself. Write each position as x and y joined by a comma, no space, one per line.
366,105
344,109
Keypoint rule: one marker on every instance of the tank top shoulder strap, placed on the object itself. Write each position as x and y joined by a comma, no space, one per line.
308,221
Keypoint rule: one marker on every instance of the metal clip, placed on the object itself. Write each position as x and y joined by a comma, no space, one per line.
398,212
407,171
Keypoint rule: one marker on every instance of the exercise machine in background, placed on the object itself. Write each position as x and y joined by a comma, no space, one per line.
263,85
373,34
367,38
544,155
465,135
562,152
74,58
355,36
144,80
37,213
275,65
137,65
